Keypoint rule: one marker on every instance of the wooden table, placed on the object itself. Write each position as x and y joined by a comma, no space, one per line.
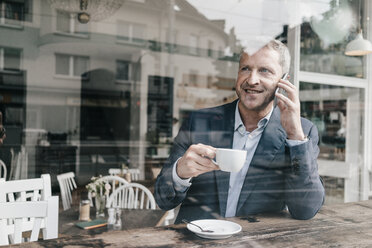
344,225
131,219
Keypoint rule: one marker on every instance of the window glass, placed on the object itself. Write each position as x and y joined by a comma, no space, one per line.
337,112
63,21
14,11
193,44
123,31
324,39
80,65
122,70
138,33
68,23
62,64
113,93
12,59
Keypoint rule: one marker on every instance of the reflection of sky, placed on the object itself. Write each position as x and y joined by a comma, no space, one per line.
259,18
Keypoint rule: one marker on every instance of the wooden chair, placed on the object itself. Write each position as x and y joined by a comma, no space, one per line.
134,172
132,196
19,217
2,170
114,181
67,184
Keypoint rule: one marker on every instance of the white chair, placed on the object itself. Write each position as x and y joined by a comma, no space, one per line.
134,172
21,190
114,181
19,164
38,215
132,196
67,184
2,170
115,171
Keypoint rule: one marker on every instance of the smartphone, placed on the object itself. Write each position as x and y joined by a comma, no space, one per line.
280,90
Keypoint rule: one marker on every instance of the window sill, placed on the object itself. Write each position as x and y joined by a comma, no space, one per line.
11,72
132,43
120,81
75,78
12,26
80,36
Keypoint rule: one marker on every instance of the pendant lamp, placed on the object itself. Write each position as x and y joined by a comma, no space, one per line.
359,46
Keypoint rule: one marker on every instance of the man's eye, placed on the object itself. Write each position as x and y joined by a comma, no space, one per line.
264,70
244,69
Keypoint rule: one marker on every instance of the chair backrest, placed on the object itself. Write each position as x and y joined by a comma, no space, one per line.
19,164
114,181
2,169
19,190
44,215
134,172
67,184
132,196
115,171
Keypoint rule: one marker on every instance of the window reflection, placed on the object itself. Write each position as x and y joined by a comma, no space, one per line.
89,97
338,114
10,59
324,39
329,108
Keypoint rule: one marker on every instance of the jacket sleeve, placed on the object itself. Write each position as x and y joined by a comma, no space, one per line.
304,189
165,194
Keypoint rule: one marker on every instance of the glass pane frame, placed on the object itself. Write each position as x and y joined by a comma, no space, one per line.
365,167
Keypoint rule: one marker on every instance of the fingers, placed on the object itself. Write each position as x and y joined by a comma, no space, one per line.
291,100
196,161
203,150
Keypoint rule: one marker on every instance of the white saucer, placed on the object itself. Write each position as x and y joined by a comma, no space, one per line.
222,228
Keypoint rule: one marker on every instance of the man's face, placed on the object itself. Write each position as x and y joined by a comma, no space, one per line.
257,80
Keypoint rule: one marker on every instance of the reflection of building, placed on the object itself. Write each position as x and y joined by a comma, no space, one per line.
90,85
116,91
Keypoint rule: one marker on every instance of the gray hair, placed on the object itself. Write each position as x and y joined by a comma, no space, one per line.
284,55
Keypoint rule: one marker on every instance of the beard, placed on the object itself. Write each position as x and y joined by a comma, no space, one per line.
268,99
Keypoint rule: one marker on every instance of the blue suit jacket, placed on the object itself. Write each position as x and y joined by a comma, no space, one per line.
278,175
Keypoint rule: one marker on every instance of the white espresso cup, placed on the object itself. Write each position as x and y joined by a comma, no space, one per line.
230,160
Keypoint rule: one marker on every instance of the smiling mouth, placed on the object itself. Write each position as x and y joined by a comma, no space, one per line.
250,91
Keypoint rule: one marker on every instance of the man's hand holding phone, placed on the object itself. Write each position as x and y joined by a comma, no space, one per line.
289,106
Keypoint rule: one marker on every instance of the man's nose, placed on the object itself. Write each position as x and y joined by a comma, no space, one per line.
253,78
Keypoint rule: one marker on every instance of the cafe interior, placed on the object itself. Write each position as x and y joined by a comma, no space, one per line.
92,94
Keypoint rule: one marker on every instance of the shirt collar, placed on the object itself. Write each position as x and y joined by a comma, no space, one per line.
239,126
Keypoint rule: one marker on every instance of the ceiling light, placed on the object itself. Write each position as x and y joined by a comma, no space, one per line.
359,46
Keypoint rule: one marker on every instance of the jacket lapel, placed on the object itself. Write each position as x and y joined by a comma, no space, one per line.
226,125
271,141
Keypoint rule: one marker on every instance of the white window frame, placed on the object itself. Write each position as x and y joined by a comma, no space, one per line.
2,60
72,22
19,23
70,66
360,181
210,51
130,33
193,48
129,71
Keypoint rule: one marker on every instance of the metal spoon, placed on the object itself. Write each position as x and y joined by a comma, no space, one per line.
203,230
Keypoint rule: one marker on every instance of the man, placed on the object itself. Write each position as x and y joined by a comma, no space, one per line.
280,169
